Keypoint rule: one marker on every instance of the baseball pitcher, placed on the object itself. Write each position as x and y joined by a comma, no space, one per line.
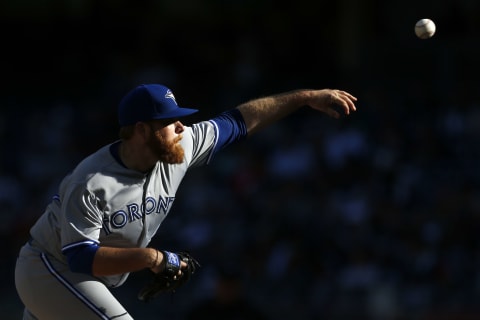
97,229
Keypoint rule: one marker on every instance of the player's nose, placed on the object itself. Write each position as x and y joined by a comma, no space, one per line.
179,128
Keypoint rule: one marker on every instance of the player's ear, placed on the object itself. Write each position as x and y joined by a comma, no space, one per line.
142,129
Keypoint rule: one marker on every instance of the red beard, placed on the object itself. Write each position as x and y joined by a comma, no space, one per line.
169,152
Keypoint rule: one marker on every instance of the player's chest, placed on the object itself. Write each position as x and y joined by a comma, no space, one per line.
137,209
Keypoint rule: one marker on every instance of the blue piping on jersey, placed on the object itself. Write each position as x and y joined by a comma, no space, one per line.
72,288
80,243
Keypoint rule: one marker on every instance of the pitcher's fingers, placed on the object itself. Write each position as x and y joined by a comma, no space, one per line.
348,101
352,97
343,102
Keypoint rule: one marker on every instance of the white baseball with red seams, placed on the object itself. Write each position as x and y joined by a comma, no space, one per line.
425,28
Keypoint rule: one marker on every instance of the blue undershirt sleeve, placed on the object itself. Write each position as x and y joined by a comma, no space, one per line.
230,127
80,258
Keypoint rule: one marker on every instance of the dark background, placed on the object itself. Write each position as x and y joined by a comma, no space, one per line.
374,216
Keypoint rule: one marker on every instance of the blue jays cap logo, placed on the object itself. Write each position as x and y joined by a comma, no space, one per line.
169,95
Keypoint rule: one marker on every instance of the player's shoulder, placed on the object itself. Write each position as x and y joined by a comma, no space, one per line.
201,128
97,159
98,164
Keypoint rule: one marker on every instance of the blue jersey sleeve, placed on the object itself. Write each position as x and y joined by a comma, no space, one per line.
80,258
230,128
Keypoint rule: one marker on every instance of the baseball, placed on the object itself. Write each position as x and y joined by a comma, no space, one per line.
425,28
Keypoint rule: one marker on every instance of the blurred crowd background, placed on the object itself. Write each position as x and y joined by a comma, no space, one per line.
373,216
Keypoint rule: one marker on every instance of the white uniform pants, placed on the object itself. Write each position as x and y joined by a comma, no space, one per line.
49,290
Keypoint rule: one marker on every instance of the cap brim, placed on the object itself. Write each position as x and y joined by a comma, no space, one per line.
177,113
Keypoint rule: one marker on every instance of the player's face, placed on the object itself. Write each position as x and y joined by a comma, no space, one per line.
164,141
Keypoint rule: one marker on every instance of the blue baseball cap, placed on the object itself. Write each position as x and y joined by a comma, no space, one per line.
149,102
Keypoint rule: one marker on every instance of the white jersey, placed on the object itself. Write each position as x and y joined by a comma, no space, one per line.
102,202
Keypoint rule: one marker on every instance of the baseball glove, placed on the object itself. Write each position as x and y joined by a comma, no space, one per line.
168,280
